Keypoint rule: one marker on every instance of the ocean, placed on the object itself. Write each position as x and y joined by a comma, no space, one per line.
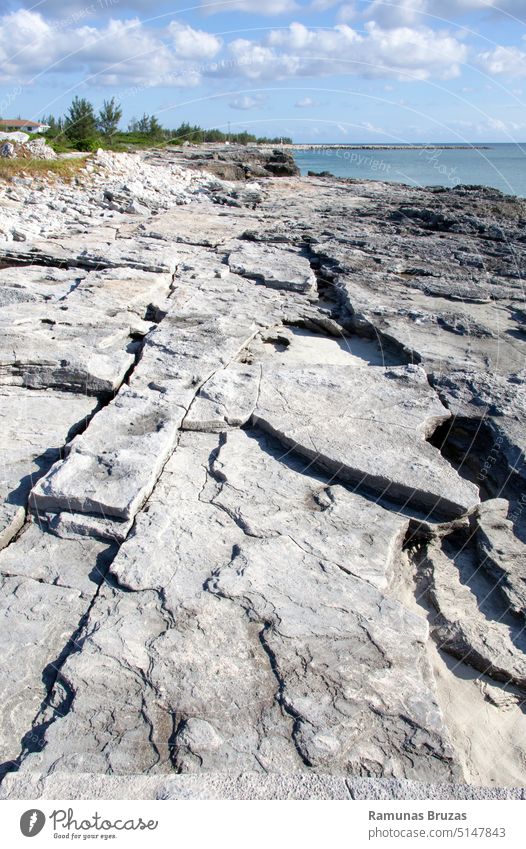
502,166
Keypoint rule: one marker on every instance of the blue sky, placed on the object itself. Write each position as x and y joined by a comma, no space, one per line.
317,70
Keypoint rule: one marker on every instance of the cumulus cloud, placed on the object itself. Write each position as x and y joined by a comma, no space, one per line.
394,13
505,61
118,51
306,103
246,102
403,53
347,12
193,44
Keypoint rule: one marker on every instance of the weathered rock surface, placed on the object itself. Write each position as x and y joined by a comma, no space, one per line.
338,417
300,785
238,162
226,400
33,428
501,553
243,429
210,685
472,623
48,585
274,267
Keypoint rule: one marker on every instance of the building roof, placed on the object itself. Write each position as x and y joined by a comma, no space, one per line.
18,122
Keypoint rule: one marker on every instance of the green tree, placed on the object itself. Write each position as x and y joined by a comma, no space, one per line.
81,123
143,125
109,118
155,129
55,126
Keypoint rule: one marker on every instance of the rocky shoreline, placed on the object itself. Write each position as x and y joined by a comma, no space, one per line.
263,508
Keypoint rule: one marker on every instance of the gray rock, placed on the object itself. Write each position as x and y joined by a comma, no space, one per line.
33,429
94,478
275,267
313,627
40,574
499,403
226,400
501,553
227,611
338,417
8,151
210,663
246,786
471,624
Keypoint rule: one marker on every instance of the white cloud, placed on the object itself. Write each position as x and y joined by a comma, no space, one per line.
347,12
394,13
322,5
487,129
306,103
255,7
246,102
506,61
192,43
403,53
116,52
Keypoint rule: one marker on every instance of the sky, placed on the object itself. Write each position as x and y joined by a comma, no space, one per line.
315,70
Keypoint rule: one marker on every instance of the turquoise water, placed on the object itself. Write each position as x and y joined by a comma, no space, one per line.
502,166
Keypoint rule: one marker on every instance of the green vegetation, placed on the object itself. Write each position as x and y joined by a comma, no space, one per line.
109,117
80,125
83,129
64,168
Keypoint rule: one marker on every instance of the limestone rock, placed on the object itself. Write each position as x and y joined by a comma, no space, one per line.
224,513
501,553
311,628
113,483
337,417
227,400
471,623
184,676
33,430
274,267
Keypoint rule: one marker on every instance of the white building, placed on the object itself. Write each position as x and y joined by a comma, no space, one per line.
22,126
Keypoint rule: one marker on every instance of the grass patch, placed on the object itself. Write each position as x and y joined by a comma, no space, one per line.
64,168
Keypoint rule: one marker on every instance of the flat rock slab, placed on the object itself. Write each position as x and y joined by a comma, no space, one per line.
270,492
112,468
174,637
226,400
57,351
41,573
275,267
367,426
34,426
118,291
312,628
35,283
195,227
93,253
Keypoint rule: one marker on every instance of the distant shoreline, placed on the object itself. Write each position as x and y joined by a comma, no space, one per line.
387,146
